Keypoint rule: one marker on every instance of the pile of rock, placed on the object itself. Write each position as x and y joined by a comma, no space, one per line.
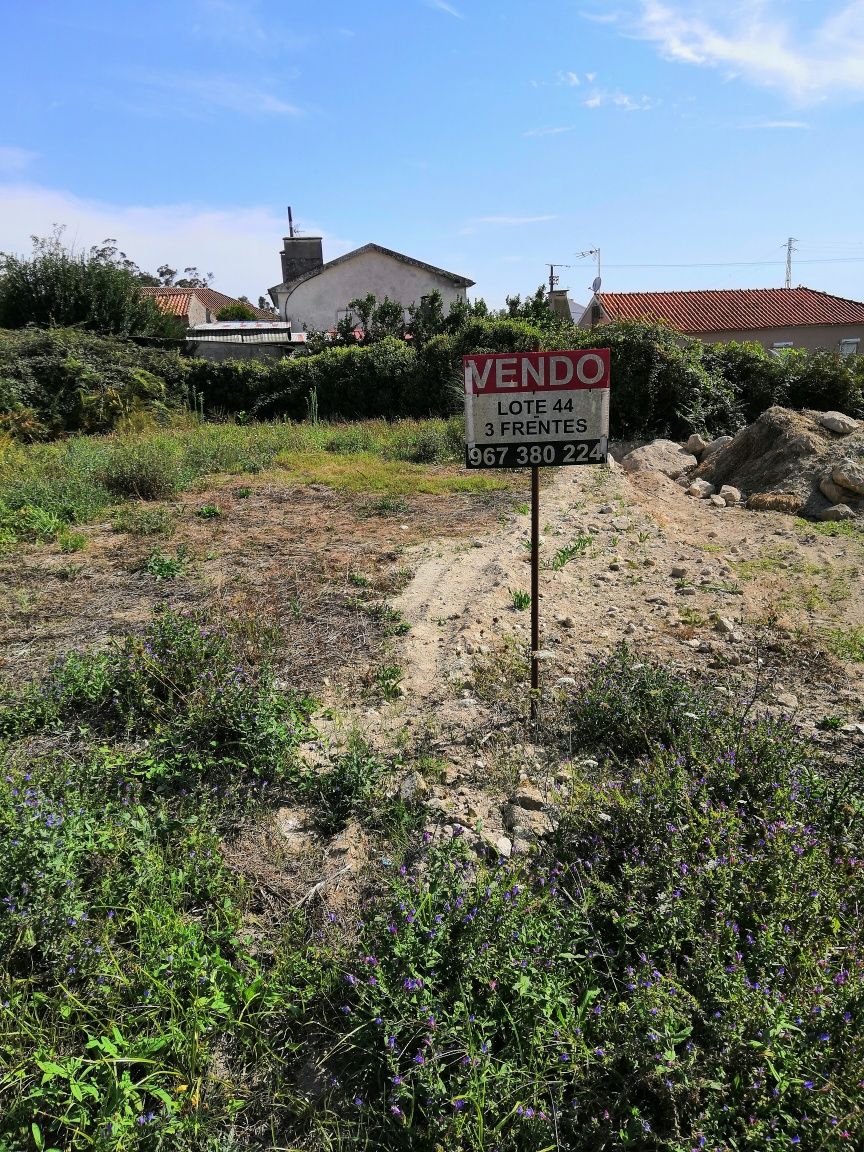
784,462
843,486
704,490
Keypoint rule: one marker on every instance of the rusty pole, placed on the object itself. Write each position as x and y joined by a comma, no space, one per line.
535,592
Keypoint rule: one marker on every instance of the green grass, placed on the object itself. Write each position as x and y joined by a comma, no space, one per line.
144,519
163,566
679,965
520,599
46,487
848,529
847,643
366,472
570,551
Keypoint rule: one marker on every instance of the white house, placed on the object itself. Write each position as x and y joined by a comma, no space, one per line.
315,295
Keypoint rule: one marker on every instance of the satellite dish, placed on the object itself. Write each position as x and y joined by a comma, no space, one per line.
595,287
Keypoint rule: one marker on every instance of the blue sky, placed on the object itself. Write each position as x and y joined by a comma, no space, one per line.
486,138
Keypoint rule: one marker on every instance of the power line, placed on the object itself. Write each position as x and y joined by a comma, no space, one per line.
749,263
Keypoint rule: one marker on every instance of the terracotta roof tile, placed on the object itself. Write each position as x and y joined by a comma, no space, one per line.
175,301
734,309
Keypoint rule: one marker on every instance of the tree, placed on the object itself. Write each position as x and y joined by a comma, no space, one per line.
56,287
191,278
237,311
265,305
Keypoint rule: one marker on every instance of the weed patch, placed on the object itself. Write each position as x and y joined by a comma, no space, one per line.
847,643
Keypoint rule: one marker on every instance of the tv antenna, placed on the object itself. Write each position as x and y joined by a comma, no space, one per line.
553,279
590,252
292,230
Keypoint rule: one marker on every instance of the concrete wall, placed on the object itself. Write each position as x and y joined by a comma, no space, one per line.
217,350
318,303
197,313
810,336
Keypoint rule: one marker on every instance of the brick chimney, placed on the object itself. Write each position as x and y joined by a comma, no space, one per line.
300,255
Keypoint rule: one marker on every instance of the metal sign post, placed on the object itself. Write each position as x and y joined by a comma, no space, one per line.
536,409
535,592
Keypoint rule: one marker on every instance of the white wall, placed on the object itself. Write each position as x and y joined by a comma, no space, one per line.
315,303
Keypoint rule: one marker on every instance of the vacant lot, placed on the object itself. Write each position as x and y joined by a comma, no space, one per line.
287,867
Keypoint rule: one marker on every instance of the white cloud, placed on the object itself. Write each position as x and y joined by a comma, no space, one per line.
239,245
600,98
443,6
788,124
762,42
571,79
207,93
15,159
247,26
549,131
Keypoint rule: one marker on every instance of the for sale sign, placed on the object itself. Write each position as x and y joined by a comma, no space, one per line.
536,408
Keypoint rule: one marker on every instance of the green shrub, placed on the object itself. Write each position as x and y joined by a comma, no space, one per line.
58,288
62,380
148,468
236,311
209,715
680,971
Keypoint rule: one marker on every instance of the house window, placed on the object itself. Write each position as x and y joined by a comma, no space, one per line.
781,344
849,347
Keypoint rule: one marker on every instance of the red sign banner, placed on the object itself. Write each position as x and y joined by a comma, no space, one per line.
536,371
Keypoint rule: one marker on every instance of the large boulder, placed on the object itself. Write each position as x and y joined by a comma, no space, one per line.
714,447
850,474
839,422
832,491
660,456
837,512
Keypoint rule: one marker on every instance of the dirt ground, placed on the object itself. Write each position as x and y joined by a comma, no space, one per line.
748,600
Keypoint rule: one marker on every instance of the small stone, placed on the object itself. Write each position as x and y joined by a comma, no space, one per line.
528,797
716,501
413,787
730,494
850,474
839,422
607,510
564,682
696,445
786,700
837,512
630,629
566,622
700,489
679,572
687,591
544,655
724,624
